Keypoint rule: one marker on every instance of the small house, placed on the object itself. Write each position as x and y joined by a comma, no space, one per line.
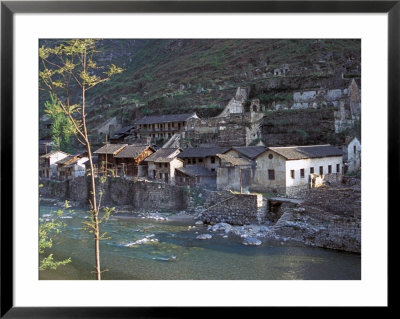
163,163
195,175
289,169
47,163
234,173
119,135
130,160
71,166
203,156
106,156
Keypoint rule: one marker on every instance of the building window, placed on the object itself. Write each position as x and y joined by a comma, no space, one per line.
355,150
329,169
292,173
165,165
311,170
302,173
213,170
271,174
321,170
160,175
270,156
337,168
200,160
212,159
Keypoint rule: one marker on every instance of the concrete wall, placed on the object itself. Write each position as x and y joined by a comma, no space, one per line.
229,178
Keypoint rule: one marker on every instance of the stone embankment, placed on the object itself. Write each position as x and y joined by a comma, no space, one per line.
329,216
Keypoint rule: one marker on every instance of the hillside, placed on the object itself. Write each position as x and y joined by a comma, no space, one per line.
178,76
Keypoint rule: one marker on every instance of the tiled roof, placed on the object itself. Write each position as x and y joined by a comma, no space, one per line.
165,118
235,161
312,151
250,151
67,160
196,170
70,164
163,155
202,152
53,153
110,149
132,151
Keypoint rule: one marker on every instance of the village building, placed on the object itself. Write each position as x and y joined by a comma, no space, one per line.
196,176
106,156
249,152
130,160
119,135
163,163
45,146
162,127
235,173
203,156
351,155
107,129
290,169
95,160
47,163
238,124
71,166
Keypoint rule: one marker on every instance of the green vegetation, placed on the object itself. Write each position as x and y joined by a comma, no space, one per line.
47,232
61,128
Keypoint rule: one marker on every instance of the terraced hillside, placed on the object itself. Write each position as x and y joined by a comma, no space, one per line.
178,76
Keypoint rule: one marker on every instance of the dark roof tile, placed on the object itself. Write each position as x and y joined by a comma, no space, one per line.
311,151
202,152
110,149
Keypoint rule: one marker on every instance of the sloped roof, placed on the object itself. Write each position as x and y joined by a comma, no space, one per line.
196,170
67,160
165,118
72,163
110,149
235,161
53,153
202,152
132,151
163,155
312,151
250,151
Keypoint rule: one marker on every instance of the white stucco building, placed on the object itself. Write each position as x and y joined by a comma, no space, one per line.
288,169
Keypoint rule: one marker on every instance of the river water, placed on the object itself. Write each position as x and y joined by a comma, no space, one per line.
163,249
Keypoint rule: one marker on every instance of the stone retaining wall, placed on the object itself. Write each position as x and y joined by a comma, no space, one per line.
234,209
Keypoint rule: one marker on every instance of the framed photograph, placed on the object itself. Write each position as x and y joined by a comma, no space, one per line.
161,155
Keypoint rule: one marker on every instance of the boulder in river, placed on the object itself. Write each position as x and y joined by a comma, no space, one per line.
251,241
204,236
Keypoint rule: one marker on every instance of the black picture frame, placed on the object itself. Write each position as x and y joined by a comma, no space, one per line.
9,8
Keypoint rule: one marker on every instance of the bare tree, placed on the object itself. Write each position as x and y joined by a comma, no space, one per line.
66,69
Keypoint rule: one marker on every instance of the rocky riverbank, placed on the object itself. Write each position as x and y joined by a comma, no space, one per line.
329,217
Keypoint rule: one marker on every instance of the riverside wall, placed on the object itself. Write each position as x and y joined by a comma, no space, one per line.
209,206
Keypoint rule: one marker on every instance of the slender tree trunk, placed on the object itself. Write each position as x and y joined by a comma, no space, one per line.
93,185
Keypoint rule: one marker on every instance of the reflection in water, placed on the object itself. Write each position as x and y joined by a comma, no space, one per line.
149,249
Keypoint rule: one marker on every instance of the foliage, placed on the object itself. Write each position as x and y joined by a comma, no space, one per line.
68,71
62,128
47,230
